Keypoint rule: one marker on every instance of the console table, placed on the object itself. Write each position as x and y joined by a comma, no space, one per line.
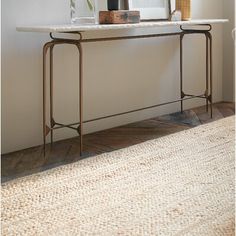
185,27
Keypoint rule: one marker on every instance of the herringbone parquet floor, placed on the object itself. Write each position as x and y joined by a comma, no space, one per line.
32,160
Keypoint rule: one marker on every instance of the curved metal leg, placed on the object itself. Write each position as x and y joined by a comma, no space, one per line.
52,122
210,96
181,71
207,73
45,128
211,74
81,96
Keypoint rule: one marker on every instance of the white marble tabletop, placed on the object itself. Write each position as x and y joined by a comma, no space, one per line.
96,27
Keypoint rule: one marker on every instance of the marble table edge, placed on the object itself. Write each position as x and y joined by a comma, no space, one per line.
96,27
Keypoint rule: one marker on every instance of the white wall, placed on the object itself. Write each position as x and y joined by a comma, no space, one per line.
228,63
119,76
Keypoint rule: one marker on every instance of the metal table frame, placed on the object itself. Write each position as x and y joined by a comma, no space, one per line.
78,126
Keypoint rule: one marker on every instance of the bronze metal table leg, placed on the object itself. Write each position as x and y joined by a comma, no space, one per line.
52,122
209,68
45,129
211,74
207,74
181,72
81,96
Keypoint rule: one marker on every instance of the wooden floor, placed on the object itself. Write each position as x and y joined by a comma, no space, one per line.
32,160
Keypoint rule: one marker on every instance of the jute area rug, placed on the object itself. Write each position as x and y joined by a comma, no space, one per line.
182,184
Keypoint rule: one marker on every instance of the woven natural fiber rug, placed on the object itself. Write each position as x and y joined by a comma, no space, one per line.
182,184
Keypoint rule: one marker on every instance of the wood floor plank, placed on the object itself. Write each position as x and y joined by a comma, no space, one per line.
226,109
204,117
